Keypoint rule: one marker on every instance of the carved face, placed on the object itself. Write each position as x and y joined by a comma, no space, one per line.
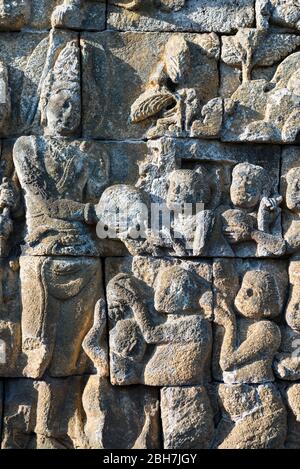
187,187
63,113
236,226
177,291
293,189
247,185
258,296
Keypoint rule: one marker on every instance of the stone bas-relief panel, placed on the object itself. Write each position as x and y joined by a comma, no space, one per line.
214,200
42,14
224,16
149,253
158,337
260,84
79,413
249,308
171,84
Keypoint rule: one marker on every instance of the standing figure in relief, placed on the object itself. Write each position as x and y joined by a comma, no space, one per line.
246,356
59,270
256,216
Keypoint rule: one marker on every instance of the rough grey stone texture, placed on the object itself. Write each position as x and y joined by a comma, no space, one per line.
149,224
190,15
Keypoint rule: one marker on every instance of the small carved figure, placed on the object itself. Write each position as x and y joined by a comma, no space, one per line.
256,215
166,98
250,342
287,363
247,351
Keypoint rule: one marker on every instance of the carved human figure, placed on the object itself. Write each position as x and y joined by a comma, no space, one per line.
251,339
248,347
174,328
287,364
60,271
166,99
292,201
256,215
193,191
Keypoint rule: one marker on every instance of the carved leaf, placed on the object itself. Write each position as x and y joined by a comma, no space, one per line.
150,103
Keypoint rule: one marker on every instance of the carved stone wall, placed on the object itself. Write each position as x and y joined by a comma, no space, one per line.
150,224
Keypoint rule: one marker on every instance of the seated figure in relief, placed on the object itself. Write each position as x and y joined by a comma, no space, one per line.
246,354
291,214
165,342
287,363
59,270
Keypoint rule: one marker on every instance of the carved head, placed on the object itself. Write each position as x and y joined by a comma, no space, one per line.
249,184
293,189
177,291
259,296
237,226
61,94
188,186
123,211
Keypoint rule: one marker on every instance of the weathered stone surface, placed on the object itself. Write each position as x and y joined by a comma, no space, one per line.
78,412
171,78
265,109
283,14
149,219
290,191
34,63
253,417
223,16
187,418
120,417
157,336
42,14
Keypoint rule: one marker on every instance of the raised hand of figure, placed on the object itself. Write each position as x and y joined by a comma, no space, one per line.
268,211
224,316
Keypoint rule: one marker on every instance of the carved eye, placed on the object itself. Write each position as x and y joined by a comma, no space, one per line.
249,292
